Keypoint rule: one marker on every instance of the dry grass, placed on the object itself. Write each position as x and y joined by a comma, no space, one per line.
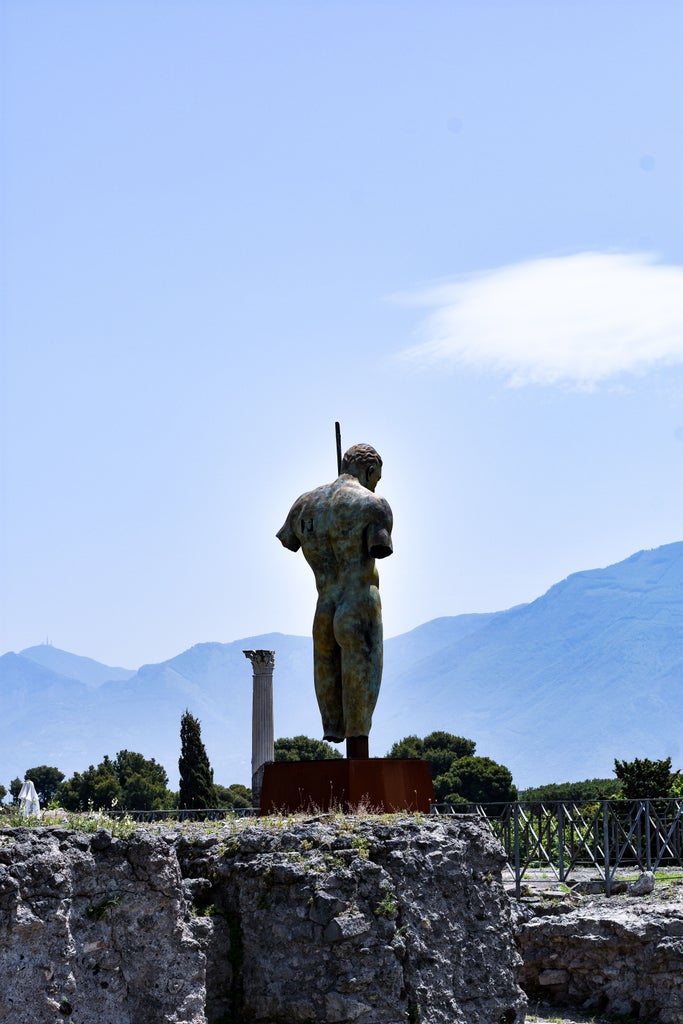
559,1015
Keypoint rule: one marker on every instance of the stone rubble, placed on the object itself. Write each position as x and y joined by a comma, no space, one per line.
333,919
613,955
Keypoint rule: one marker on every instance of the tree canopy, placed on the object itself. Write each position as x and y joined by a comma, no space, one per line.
589,789
129,782
96,786
47,781
643,778
143,781
476,780
196,774
303,748
233,796
439,748
458,776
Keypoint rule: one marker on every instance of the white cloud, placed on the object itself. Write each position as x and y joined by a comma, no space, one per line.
574,320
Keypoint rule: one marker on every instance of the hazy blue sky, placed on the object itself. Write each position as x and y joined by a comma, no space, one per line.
457,227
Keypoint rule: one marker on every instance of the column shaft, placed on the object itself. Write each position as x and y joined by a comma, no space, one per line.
262,728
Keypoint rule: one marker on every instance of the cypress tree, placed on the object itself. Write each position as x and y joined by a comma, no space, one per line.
196,774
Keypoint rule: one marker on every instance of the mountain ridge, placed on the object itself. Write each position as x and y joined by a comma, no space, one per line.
555,689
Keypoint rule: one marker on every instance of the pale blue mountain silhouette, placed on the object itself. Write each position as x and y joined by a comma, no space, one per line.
555,689
74,666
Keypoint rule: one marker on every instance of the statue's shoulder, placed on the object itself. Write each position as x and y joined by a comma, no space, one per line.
383,509
363,502
312,497
319,496
347,490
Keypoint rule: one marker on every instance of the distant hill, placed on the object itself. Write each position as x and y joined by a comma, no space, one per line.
73,666
555,689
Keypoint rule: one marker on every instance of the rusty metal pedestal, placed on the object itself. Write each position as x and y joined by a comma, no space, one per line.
382,784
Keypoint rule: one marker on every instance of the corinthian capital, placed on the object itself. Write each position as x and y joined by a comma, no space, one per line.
261,659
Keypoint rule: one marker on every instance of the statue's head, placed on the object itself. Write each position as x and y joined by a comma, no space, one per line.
363,462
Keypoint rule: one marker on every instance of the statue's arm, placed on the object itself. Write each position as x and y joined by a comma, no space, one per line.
287,537
286,534
378,536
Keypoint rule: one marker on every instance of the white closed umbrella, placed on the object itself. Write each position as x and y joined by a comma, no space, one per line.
29,799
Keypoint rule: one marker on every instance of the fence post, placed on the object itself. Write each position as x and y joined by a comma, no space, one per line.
648,842
605,840
518,876
560,841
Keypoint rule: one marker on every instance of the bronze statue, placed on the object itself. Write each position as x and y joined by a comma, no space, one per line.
342,527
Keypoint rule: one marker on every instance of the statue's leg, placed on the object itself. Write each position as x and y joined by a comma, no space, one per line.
327,673
358,629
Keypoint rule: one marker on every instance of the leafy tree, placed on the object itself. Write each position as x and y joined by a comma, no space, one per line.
98,787
439,748
476,780
461,803
15,789
409,746
302,748
3,793
642,778
47,781
459,777
129,782
589,789
235,795
196,774
143,781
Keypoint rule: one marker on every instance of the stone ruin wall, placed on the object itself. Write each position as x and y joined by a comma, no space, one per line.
330,920
621,955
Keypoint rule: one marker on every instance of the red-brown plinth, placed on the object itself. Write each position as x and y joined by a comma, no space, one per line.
385,784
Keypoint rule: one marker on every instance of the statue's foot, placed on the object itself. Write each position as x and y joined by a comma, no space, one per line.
333,735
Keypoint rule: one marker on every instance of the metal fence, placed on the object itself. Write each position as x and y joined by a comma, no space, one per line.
596,838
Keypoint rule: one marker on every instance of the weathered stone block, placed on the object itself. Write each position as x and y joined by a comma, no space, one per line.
622,957
335,919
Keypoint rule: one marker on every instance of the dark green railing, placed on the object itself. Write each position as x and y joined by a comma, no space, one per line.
563,837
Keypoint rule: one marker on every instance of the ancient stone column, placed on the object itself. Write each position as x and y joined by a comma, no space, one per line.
262,734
